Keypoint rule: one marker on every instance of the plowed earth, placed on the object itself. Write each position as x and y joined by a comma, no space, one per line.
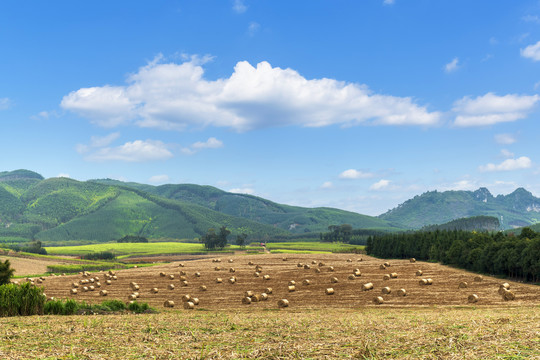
347,293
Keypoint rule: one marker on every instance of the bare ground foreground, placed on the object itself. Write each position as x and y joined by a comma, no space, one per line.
431,322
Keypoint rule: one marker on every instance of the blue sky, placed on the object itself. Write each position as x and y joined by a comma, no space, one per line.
358,105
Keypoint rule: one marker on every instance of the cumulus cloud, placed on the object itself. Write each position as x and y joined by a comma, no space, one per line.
5,103
97,142
159,179
355,174
176,96
491,109
239,6
505,139
136,151
452,65
507,153
531,52
508,165
245,190
211,143
380,185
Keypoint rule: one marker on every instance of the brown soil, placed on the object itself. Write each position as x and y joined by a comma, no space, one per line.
348,293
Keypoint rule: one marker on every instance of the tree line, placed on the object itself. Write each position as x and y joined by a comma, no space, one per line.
492,253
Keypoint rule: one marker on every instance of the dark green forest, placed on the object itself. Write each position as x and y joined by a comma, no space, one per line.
517,257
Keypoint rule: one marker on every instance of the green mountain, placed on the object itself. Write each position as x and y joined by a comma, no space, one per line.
475,223
520,208
63,209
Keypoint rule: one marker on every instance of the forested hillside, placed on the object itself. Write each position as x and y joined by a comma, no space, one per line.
479,223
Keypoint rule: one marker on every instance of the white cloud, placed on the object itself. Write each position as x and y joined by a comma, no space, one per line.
327,185
505,139
380,185
176,96
354,174
461,185
63,175
97,142
452,65
491,109
531,52
508,165
507,153
531,18
136,151
389,2
211,143
5,103
239,6
158,179
253,28
245,190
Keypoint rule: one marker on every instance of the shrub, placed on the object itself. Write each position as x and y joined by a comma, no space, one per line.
6,272
115,305
22,300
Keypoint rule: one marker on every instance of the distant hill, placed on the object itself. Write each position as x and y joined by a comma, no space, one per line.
63,210
520,208
475,223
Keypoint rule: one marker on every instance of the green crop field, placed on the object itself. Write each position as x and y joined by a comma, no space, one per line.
134,249
298,247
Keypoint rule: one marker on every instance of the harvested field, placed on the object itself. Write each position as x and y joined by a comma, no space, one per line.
31,266
365,333
347,294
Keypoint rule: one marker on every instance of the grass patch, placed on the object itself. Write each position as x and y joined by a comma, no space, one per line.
318,246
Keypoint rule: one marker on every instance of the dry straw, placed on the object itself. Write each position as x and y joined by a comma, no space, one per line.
463,285
367,286
283,303
378,300
419,272
472,298
402,292
329,291
386,290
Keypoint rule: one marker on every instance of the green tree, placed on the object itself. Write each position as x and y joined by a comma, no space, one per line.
6,272
241,240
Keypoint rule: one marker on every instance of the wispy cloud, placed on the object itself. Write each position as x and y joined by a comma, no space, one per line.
159,179
389,2
176,96
532,52
211,143
491,109
380,185
327,185
5,103
97,142
531,18
135,151
239,6
505,139
355,174
508,165
253,28
244,190
452,65
507,153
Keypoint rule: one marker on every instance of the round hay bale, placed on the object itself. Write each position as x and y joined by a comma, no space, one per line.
108,282
382,267
250,263
386,277
171,277
329,291
307,267
283,303
292,283
367,286
181,265
268,290
98,284
103,293
232,280
135,287
317,270
171,287
378,300
184,283
257,274
249,293
136,294
334,280
423,282
349,260
197,274
115,277
360,259
186,298
218,260
306,282
472,298
402,292
91,288
168,303
154,290
112,273
463,285
231,270
413,260
429,281
264,296
299,265
478,278
183,273
195,301
91,280
162,274
387,264
85,288
256,298
351,277
74,285
284,259
219,280
292,288
321,264
183,278
258,268
231,261
202,288
266,277
314,262
217,268
508,295
39,281
502,287
419,272
393,275
330,268
73,291
246,300
386,290
132,297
